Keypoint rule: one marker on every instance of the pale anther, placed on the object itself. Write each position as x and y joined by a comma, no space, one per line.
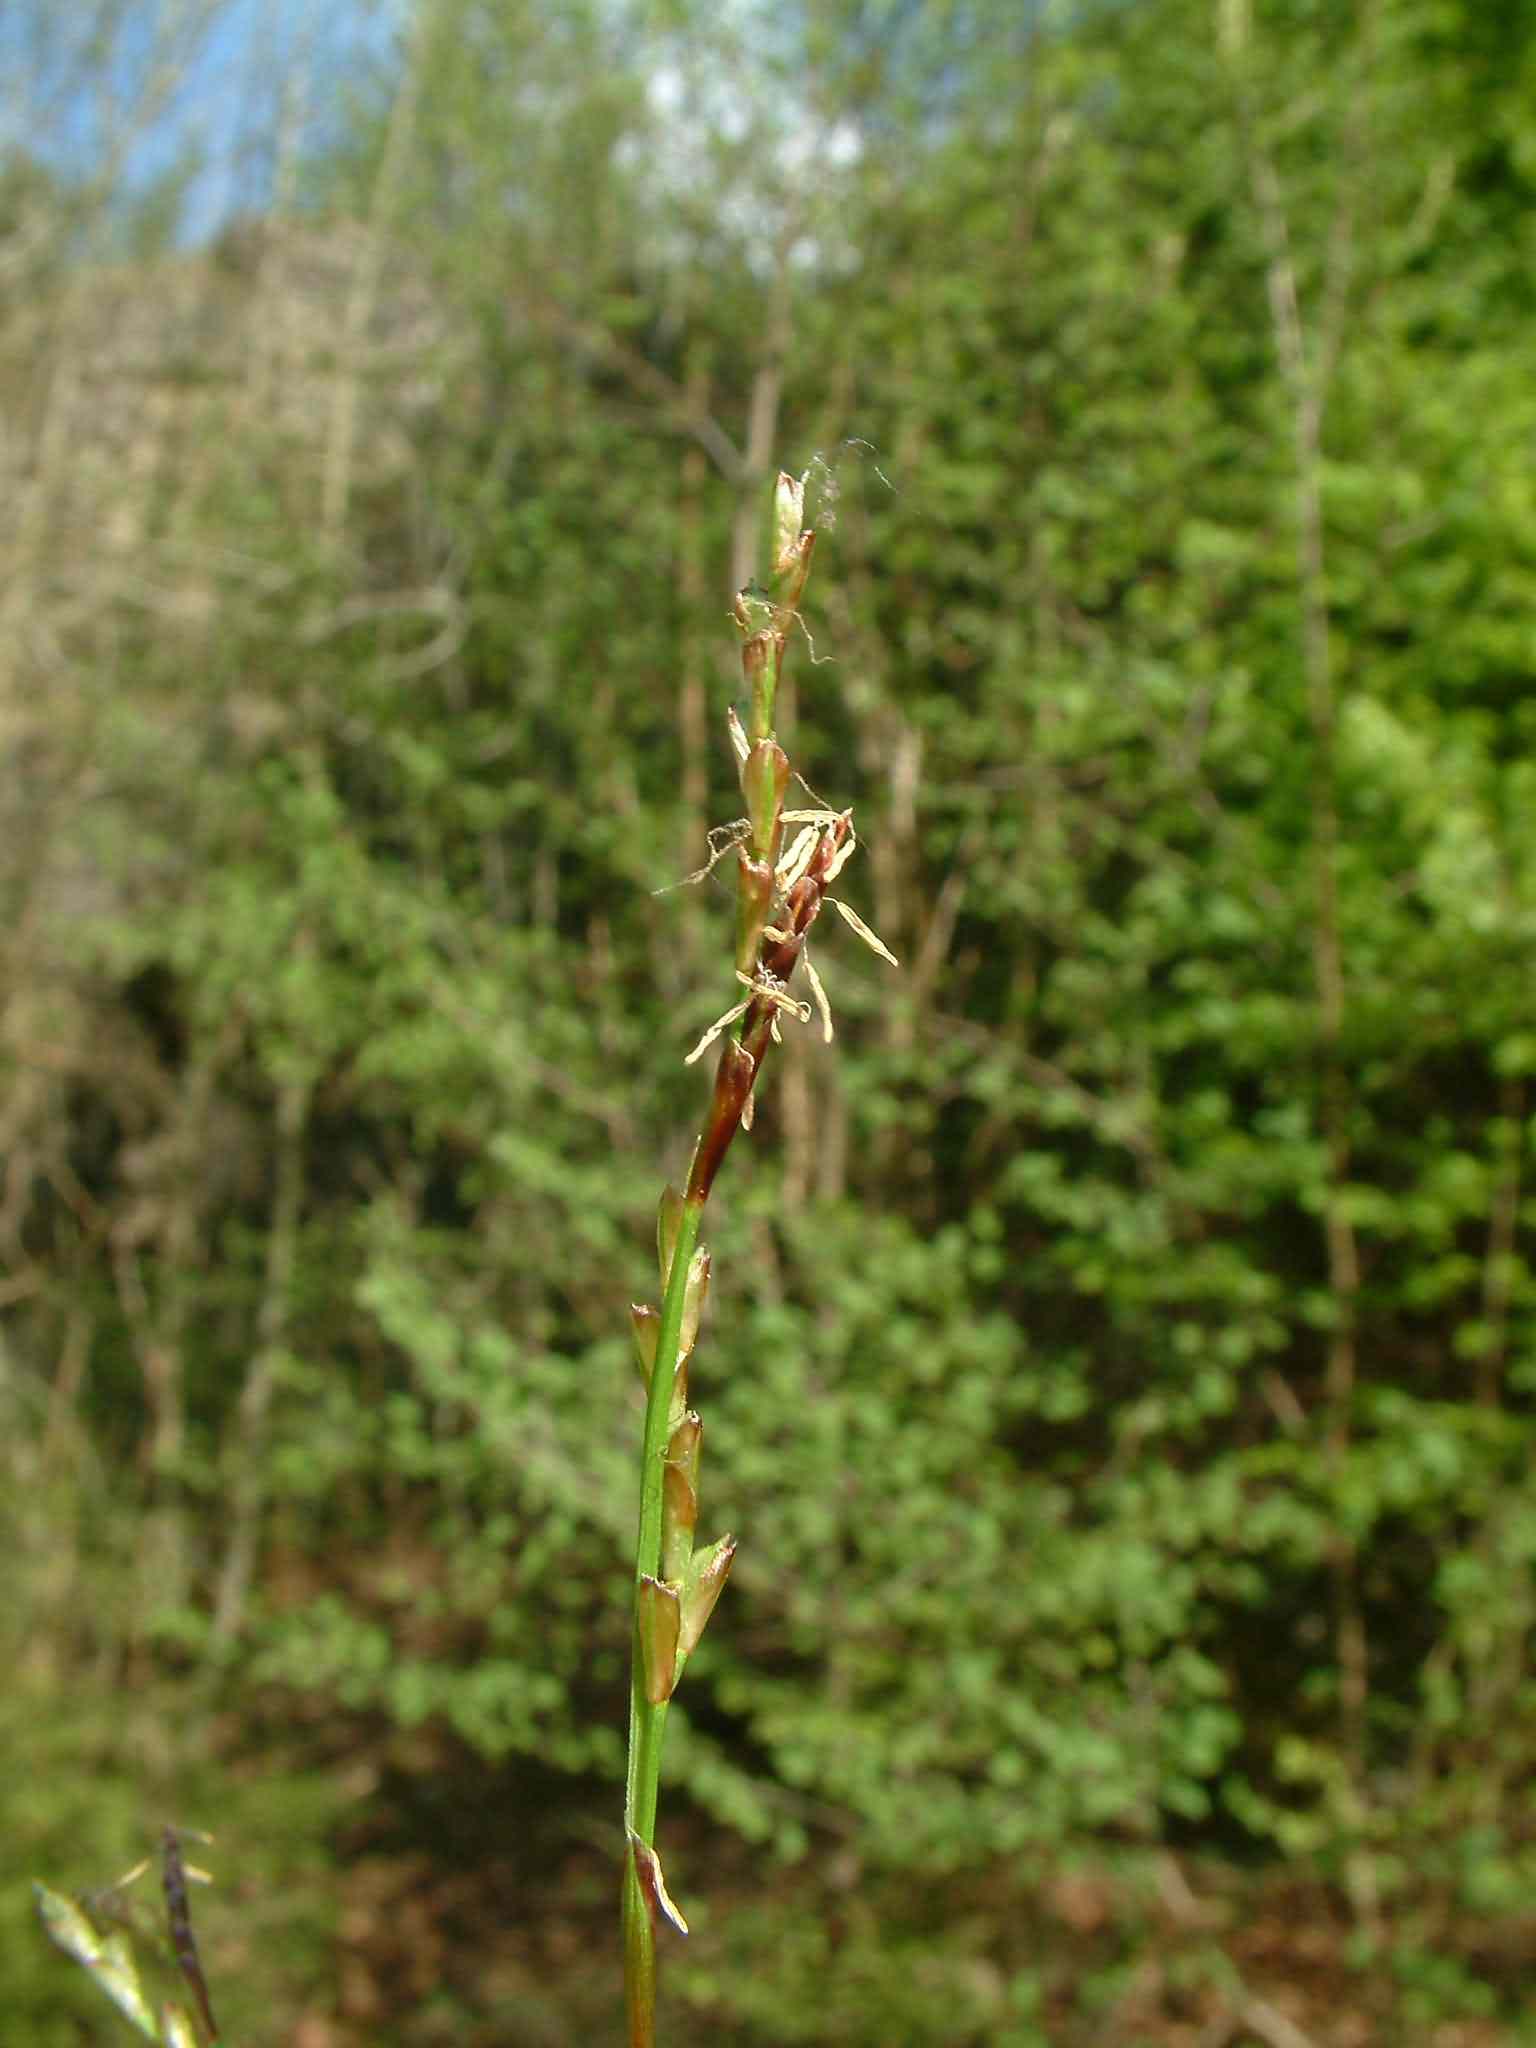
852,917
720,1024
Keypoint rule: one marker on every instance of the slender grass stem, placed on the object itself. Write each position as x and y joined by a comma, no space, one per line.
647,1718
675,1586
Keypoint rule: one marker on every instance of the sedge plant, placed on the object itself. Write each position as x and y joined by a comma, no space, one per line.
780,890
785,862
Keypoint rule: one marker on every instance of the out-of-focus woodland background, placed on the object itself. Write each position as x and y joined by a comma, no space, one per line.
1121,1372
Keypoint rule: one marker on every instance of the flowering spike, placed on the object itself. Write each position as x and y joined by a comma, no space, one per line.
764,779
679,1518
792,583
757,652
680,1497
707,1575
788,517
733,1084
657,1620
683,1447
645,1324
695,1294
779,900
754,895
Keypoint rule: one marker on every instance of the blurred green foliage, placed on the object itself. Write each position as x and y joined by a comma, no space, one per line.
1122,1356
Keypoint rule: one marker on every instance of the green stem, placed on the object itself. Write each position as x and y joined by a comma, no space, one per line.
764,624
639,1960
647,1720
